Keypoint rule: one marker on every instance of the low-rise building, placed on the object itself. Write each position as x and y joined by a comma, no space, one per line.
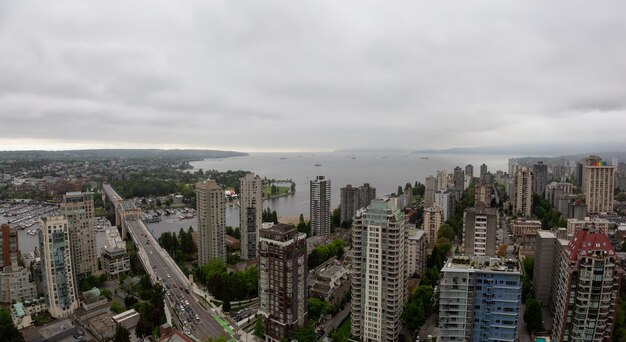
575,225
15,285
114,256
525,231
127,319
332,284
22,312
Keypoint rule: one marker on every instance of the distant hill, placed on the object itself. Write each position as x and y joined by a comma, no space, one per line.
173,155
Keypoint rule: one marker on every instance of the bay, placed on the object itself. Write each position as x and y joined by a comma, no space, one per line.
384,171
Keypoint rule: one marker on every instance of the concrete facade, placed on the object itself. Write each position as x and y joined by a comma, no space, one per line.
379,288
479,231
250,210
211,206
80,213
320,206
282,280
57,269
523,192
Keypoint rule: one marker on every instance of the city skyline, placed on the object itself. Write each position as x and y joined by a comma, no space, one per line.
155,74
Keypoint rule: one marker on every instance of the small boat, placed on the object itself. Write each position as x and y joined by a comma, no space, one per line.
283,158
318,164
424,158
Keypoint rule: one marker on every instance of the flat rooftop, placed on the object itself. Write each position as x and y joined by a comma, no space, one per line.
480,263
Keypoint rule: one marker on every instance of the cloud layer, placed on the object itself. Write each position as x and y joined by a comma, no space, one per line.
311,75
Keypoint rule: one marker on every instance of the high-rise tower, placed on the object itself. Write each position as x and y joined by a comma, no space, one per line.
79,210
320,206
250,207
57,268
210,201
379,277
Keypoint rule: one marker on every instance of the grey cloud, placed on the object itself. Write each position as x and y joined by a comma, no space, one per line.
316,75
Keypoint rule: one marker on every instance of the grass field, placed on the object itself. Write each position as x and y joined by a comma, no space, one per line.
280,190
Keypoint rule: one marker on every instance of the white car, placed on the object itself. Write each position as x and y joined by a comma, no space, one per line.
168,275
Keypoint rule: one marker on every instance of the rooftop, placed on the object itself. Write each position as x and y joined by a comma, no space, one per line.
588,242
488,264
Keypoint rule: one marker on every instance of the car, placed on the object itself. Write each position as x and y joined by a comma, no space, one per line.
168,275
186,302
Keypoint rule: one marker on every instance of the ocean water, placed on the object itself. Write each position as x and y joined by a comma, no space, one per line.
384,171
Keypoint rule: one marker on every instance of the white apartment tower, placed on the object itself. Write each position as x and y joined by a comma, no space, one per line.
523,192
56,259
320,206
250,207
598,184
379,276
210,201
79,210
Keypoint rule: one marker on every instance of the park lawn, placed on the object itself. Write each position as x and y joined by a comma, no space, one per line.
280,190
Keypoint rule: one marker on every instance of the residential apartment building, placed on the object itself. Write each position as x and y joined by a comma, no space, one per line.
320,206
458,178
523,192
416,253
479,231
332,284
433,219
379,276
598,185
80,213
58,271
540,177
211,203
555,190
250,211
430,187
585,289
353,199
445,200
482,194
479,299
469,171
114,256
525,231
483,170
575,225
547,246
15,285
15,282
282,280
9,246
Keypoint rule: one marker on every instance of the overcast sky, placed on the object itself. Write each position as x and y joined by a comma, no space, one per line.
311,75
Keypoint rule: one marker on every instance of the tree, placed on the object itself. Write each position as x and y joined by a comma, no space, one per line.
121,334
259,328
445,231
117,307
336,217
304,334
8,331
502,250
533,316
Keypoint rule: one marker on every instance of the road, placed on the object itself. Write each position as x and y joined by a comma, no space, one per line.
208,323
196,320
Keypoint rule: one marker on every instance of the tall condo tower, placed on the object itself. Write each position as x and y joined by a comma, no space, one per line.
80,213
320,206
250,207
210,201
56,265
379,288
